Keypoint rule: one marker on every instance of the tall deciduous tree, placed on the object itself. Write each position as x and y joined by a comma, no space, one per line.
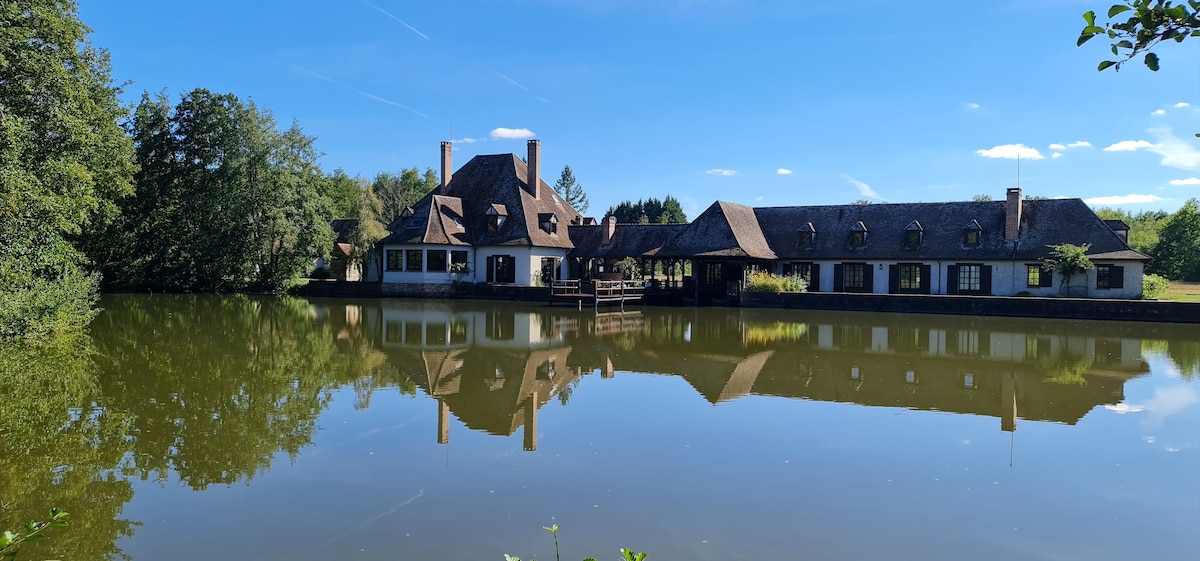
344,193
571,191
63,161
398,192
652,210
1177,254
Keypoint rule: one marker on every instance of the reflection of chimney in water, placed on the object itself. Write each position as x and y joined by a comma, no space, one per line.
607,372
531,422
1008,403
443,422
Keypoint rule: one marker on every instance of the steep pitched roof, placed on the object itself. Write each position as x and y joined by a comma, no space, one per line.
724,230
629,240
487,182
1058,221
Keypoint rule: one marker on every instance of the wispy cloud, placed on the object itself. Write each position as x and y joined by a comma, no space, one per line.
1159,112
511,134
1123,199
1176,153
1125,408
972,105
1128,146
863,189
1182,105
402,22
367,95
467,140
1057,146
718,171
758,198
1011,152
783,171
1079,144
1188,181
1056,155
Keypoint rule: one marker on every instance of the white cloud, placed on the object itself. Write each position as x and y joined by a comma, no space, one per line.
783,171
971,105
1188,181
1129,199
1128,146
718,171
1056,155
1176,153
1181,105
758,198
512,134
1079,144
863,189
1159,112
1123,408
1011,152
467,140
1057,146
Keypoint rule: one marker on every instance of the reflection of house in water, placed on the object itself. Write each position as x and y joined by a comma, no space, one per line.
493,366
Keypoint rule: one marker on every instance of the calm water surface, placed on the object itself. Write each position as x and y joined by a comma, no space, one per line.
202,427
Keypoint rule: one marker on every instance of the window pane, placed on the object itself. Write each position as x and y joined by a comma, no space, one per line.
1102,276
969,277
413,259
910,277
853,276
1033,276
395,260
437,260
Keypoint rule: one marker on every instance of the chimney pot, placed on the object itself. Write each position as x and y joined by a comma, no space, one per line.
534,165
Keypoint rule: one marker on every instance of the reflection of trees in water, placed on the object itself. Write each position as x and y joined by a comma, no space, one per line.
1184,354
61,447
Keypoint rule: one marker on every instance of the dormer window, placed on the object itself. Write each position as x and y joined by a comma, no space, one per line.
548,222
858,235
495,217
913,234
808,236
972,233
407,212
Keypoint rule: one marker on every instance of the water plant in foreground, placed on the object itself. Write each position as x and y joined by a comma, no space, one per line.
10,542
626,553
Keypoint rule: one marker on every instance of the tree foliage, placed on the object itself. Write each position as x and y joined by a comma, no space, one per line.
1177,255
1144,226
224,201
649,211
344,193
398,192
1069,260
63,161
1148,23
571,191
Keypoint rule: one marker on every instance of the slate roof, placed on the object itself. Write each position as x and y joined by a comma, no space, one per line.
486,182
629,240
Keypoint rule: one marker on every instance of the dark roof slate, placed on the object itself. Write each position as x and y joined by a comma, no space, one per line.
629,240
724,230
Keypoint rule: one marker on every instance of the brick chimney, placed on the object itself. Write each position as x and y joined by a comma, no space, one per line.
447,170
1012,215
610,228
534,165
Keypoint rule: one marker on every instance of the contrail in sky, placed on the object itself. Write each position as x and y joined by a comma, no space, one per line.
402,22
514,82
369,96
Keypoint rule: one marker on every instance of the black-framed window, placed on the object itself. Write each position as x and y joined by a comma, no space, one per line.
858,239
912,239
971,238
436,261
494,222
395,259
1110,276
970,278
506,269
414,260
458,260
1038,276
854,278
806,240
910,276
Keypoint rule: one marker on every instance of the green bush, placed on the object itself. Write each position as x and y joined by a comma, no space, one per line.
770,282
1154,286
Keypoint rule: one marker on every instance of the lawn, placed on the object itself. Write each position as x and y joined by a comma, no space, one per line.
1183,292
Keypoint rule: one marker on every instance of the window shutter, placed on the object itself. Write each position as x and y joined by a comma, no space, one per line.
788,268
814,284
491,268
1116,276
868,278
839,284
952,279
1046,278
893,279
926,277
985,280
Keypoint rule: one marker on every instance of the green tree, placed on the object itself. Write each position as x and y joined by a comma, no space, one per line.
344,193
981,198
398,192
1144,226
1149,23
860,202
571,191
1177,255
652,210
63,161
1069,260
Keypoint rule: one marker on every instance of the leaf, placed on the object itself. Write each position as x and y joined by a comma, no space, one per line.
1152,62
1118,8
1083,39
508,557
34,538
1093,29
1105,64
1090,17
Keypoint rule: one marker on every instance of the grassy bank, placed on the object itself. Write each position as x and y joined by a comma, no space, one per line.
1183,292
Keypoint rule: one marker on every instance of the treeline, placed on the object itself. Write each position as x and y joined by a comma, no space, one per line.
1171,239
649,211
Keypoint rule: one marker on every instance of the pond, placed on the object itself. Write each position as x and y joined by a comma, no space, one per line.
202,427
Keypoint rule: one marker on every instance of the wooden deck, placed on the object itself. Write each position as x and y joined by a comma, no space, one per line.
596,293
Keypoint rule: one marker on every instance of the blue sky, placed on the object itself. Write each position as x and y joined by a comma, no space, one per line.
753,101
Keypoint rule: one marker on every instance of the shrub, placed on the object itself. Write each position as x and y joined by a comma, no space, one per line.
1154,286
770,282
